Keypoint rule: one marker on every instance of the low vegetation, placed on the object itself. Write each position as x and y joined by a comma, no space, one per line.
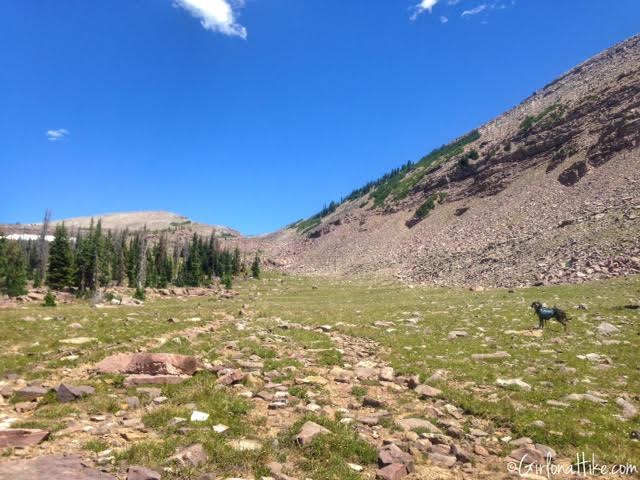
411,328
429,204
548,117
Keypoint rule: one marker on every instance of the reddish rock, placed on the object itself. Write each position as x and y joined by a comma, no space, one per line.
193,455
372,402
136,472
22,437
149,364
461,453
529,455
229,378
480,450
442,460
395,471
425,391
54,467
31,393
309,431
392,454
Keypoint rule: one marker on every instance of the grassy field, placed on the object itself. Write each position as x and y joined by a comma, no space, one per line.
411,325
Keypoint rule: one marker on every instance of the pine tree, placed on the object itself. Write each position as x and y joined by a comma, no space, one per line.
255,267
227,281
236,262
60,273
15,270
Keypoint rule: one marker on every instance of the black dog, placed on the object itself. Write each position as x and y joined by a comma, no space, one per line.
546,313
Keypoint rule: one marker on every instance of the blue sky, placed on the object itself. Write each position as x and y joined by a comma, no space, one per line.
254,114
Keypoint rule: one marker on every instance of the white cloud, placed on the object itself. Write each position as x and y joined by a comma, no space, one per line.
475,10
214,15
443,19
423,6
57,135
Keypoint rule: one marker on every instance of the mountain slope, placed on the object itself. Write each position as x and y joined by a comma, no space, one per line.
547,192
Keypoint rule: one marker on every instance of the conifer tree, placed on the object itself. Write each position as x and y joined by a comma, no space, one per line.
4,245
60,273
236,262
255,267
15,270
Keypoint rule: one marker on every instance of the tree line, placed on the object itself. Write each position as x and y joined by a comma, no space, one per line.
96,259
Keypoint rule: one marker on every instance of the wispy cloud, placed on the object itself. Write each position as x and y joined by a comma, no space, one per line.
443,19
57,135
423,6
475,10
215,15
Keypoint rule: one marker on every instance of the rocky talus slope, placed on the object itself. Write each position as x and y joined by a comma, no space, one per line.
548,192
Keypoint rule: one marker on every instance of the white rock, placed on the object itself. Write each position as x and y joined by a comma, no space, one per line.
197,416
220,428
508,382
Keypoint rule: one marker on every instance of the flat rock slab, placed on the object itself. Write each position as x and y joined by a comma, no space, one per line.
137,380
22,437
50,467
31,393
149,364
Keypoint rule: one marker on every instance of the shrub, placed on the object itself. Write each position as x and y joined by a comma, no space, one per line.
429,204
49,300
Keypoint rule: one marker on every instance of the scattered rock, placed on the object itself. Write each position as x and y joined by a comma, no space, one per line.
67,393
22,437
629,410
509,382
425,391
410,424
78,340
31,393
193,455
387,374
607,329
51,467
395,471
149,364
442,460
197,416
231,377
453,334
243,445
136,472
392,454
587,397
478,357
309,431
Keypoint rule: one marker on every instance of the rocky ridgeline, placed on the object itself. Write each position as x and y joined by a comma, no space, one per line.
416,432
